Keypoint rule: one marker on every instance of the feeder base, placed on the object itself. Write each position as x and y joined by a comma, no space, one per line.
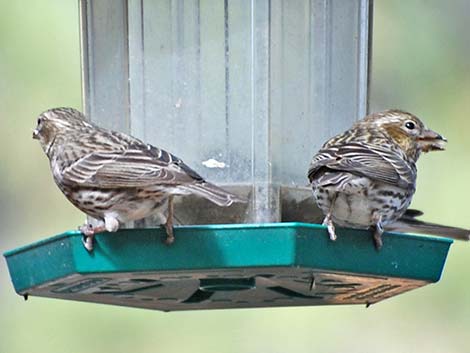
228,266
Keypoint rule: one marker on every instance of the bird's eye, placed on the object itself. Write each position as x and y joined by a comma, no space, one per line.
410,125
39,121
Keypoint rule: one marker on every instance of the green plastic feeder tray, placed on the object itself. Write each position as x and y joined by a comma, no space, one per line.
227,266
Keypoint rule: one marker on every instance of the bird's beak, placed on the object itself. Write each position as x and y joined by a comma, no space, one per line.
431,141
36,134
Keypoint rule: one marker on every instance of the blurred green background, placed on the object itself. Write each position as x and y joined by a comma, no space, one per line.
420,63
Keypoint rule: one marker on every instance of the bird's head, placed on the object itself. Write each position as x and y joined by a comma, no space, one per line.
57,121
407,131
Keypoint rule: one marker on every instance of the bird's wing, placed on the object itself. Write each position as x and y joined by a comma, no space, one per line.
367,160
140,165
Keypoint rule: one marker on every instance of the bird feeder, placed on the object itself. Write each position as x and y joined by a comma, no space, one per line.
244,92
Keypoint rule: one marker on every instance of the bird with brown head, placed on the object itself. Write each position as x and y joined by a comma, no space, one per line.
114,177
366,176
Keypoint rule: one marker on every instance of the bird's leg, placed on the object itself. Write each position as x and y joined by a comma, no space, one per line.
89,231
328,222
378,231
170,238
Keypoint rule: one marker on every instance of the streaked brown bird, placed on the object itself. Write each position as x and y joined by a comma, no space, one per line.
366,176
114,177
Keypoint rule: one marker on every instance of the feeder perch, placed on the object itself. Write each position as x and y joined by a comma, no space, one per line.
245,92
227,266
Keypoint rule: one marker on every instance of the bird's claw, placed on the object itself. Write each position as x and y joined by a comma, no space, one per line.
331,231
170,238
378,231
88,232
87,241
330,227
378,241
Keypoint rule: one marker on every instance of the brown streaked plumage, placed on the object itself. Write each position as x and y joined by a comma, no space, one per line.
115,177
366,176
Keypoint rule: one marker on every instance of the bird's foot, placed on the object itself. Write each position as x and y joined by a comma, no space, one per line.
378,240
328,222
87,241
170,237
378,231
89,232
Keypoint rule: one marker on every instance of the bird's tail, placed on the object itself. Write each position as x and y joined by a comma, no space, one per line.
214,193
409,224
